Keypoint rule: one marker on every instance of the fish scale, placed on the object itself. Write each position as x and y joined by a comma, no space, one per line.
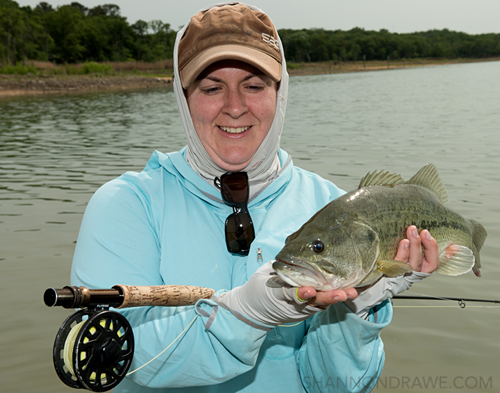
353,240
407,205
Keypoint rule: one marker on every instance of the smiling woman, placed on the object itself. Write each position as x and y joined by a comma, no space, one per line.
210,214
232,105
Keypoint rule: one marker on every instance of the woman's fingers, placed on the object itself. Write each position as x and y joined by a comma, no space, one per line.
326,298
430,262
410,250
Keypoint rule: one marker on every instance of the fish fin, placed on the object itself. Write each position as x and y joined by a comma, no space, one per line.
428,177
370,279
478,237
456,260
380,178
393,268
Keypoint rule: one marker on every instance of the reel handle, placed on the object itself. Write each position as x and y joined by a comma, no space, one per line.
123,296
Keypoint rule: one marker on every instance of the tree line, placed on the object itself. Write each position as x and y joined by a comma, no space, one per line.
74,33
312,45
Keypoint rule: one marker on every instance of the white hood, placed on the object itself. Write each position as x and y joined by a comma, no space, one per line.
265,165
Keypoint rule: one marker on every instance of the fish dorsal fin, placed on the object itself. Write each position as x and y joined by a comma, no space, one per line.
428,177
381,178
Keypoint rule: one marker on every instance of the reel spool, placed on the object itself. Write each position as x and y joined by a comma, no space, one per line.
93,350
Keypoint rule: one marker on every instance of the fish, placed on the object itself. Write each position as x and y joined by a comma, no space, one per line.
353,240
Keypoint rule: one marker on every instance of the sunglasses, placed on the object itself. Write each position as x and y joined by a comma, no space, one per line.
239,227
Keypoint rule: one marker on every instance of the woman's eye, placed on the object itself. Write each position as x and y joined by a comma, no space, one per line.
255,88
210,90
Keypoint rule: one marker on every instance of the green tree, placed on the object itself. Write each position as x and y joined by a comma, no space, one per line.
105,10
11,20
75,33
65,26
299,46
140,30
162,40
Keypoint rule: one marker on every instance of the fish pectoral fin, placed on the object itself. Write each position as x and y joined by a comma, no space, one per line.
393,268
456,260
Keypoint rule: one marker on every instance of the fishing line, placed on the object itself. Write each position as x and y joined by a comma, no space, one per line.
172,343
157,356
69,345
178,337
70,342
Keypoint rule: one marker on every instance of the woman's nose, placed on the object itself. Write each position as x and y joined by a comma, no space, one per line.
235,105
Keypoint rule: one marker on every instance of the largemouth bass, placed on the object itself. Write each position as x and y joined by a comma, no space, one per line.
353,240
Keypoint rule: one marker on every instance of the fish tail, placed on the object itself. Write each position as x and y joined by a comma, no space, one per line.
478,237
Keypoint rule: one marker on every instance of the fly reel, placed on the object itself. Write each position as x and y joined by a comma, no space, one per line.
93,350
94,346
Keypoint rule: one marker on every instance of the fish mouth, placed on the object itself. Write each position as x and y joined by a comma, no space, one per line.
298,273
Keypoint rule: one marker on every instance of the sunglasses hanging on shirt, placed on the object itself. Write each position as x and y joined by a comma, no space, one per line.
239,228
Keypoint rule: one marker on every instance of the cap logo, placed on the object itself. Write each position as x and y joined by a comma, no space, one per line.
270,40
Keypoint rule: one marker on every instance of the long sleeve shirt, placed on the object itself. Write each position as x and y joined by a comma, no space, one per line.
165,226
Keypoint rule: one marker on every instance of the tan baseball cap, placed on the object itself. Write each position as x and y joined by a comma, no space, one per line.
229,32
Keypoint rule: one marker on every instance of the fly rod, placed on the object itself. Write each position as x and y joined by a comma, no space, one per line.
461,300
94,347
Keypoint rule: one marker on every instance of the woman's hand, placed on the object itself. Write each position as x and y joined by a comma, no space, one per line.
409,251
325,298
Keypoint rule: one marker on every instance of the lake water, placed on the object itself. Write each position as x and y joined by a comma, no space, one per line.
56,151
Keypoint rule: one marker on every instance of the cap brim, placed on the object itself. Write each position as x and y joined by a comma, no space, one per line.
267,64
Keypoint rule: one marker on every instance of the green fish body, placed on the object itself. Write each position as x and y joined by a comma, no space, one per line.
353,240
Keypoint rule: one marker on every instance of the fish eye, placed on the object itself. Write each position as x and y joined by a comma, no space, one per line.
318,246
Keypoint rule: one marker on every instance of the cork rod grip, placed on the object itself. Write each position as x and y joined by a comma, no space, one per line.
162,295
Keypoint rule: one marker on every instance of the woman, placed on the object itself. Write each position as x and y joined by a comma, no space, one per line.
189,219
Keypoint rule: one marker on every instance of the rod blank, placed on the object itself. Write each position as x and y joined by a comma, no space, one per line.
458,299
77,297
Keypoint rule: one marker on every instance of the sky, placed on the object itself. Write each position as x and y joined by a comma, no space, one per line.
397,16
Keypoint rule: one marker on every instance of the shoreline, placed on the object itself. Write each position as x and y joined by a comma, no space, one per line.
374,65
31,85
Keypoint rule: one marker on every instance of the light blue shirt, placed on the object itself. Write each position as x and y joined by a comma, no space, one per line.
165,225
